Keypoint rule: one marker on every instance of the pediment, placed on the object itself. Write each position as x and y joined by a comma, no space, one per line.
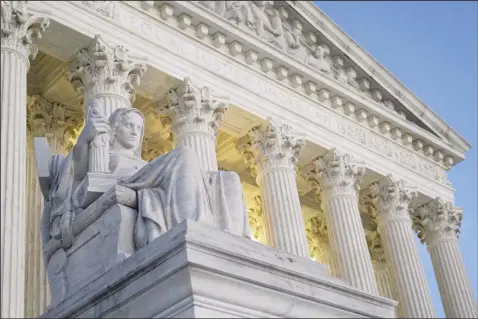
321,60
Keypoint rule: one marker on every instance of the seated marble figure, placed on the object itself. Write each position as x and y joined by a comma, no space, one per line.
168,189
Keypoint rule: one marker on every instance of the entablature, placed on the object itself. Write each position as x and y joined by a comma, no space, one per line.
290,49
180,53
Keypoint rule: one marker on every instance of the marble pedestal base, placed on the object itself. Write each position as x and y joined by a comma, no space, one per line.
194,271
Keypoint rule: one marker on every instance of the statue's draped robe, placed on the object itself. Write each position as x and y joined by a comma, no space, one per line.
170,189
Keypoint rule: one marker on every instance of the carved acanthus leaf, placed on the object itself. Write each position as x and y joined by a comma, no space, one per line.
101,68
151,148
394,197
275,145
53,121
317,238
339,172
20,26
375,247
437,220
256,220
192,109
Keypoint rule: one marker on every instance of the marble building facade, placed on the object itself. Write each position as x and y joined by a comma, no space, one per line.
339,162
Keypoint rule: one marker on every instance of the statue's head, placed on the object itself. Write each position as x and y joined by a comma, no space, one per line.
127,130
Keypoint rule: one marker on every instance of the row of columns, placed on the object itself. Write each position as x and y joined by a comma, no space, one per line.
108,74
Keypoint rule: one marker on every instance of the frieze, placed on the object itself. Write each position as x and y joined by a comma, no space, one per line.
255,82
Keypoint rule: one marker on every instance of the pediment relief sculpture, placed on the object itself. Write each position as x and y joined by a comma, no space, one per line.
272,24
150,197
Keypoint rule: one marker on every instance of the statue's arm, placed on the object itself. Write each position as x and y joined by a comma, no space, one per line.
80,159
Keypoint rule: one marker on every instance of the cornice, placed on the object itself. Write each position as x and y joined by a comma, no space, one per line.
379,73
180,53
325,90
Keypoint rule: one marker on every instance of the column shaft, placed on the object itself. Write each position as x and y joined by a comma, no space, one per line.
205,146
330,260
338,176
14,67
37,292
455,289
395,228
402,254
347,241
282,212
194,114
384,281
274,150
438,224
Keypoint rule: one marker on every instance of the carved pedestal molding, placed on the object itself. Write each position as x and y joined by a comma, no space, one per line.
19,27
61,127
194,115
107,74
276,151
395,227
338,176
437,224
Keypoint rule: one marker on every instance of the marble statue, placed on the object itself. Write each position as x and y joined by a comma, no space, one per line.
168,189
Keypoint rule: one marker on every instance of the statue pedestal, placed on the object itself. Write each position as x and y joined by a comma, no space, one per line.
195,271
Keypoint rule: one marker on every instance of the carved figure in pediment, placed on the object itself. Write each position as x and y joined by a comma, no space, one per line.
239,12
266,28
217,6
168,189
319,58
352,78
293,43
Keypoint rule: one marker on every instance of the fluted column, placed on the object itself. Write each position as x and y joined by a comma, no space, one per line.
338,176
276,149
61,127
384,280
437,224
194,115
107,75
19,27
395,227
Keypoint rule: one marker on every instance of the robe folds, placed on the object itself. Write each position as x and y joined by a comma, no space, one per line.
170,189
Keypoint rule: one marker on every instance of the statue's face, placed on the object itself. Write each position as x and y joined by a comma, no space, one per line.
129,131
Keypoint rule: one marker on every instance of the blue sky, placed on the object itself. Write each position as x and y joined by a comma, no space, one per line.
431,47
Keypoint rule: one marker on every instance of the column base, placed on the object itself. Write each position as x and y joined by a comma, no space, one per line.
195,271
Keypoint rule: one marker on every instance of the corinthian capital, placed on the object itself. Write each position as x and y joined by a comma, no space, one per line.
375,247
437,220
339,172
194,110
54,122
394,198
20,26
105,69
275,145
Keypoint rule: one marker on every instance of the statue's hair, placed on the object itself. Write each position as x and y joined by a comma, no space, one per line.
116,118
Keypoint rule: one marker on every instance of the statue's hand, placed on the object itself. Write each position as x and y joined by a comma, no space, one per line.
95,125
